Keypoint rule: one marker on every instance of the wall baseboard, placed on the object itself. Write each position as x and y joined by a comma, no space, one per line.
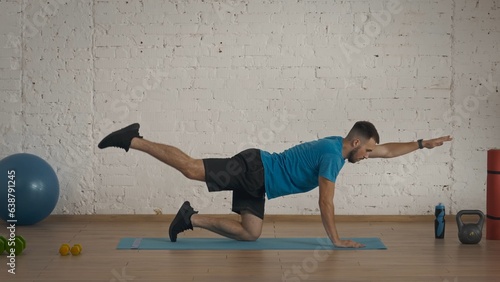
271,217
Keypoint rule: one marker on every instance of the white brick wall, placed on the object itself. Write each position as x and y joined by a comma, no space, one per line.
215,77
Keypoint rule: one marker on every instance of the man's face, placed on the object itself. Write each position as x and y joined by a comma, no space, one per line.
361,151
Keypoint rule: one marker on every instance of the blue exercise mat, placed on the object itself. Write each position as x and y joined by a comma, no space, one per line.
228,244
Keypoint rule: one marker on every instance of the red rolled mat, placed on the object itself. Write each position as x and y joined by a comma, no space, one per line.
493,196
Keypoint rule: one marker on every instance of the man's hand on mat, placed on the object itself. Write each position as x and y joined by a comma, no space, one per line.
348,244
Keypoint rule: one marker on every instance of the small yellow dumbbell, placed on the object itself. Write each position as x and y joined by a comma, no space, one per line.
64,250
76,249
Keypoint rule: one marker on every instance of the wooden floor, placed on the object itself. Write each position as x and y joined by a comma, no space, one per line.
412,255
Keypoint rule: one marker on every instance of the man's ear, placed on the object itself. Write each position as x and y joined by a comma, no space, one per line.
356,142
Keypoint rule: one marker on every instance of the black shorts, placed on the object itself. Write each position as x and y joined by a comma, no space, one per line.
244,175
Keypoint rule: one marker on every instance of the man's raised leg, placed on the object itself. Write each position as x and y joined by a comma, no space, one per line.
129,138
172,156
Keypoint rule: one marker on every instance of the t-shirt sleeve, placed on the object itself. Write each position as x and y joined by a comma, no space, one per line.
329,167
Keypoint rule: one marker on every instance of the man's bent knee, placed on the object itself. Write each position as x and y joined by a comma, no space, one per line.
250,236
195,170
252,225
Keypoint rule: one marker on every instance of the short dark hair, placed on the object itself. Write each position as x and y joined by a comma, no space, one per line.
363,129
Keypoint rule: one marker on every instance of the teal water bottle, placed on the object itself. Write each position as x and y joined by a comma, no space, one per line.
439,222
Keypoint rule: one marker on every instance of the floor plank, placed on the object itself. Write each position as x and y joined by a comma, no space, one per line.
412,255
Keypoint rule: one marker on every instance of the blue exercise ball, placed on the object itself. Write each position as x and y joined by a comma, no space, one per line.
29,189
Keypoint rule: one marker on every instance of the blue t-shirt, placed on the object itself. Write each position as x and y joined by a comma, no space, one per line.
296,170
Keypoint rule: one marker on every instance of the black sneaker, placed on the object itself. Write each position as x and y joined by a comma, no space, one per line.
121,138
182,221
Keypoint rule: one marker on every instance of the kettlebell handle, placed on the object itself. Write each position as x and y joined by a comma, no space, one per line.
472,212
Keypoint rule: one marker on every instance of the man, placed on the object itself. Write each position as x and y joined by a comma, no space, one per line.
253,174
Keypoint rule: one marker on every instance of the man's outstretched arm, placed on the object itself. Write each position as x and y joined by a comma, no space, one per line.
392,150
326,193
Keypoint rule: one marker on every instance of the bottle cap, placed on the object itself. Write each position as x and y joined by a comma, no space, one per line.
440,206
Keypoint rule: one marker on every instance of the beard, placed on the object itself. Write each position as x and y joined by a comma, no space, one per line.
350,156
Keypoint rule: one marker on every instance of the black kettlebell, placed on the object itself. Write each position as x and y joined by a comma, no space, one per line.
470,233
